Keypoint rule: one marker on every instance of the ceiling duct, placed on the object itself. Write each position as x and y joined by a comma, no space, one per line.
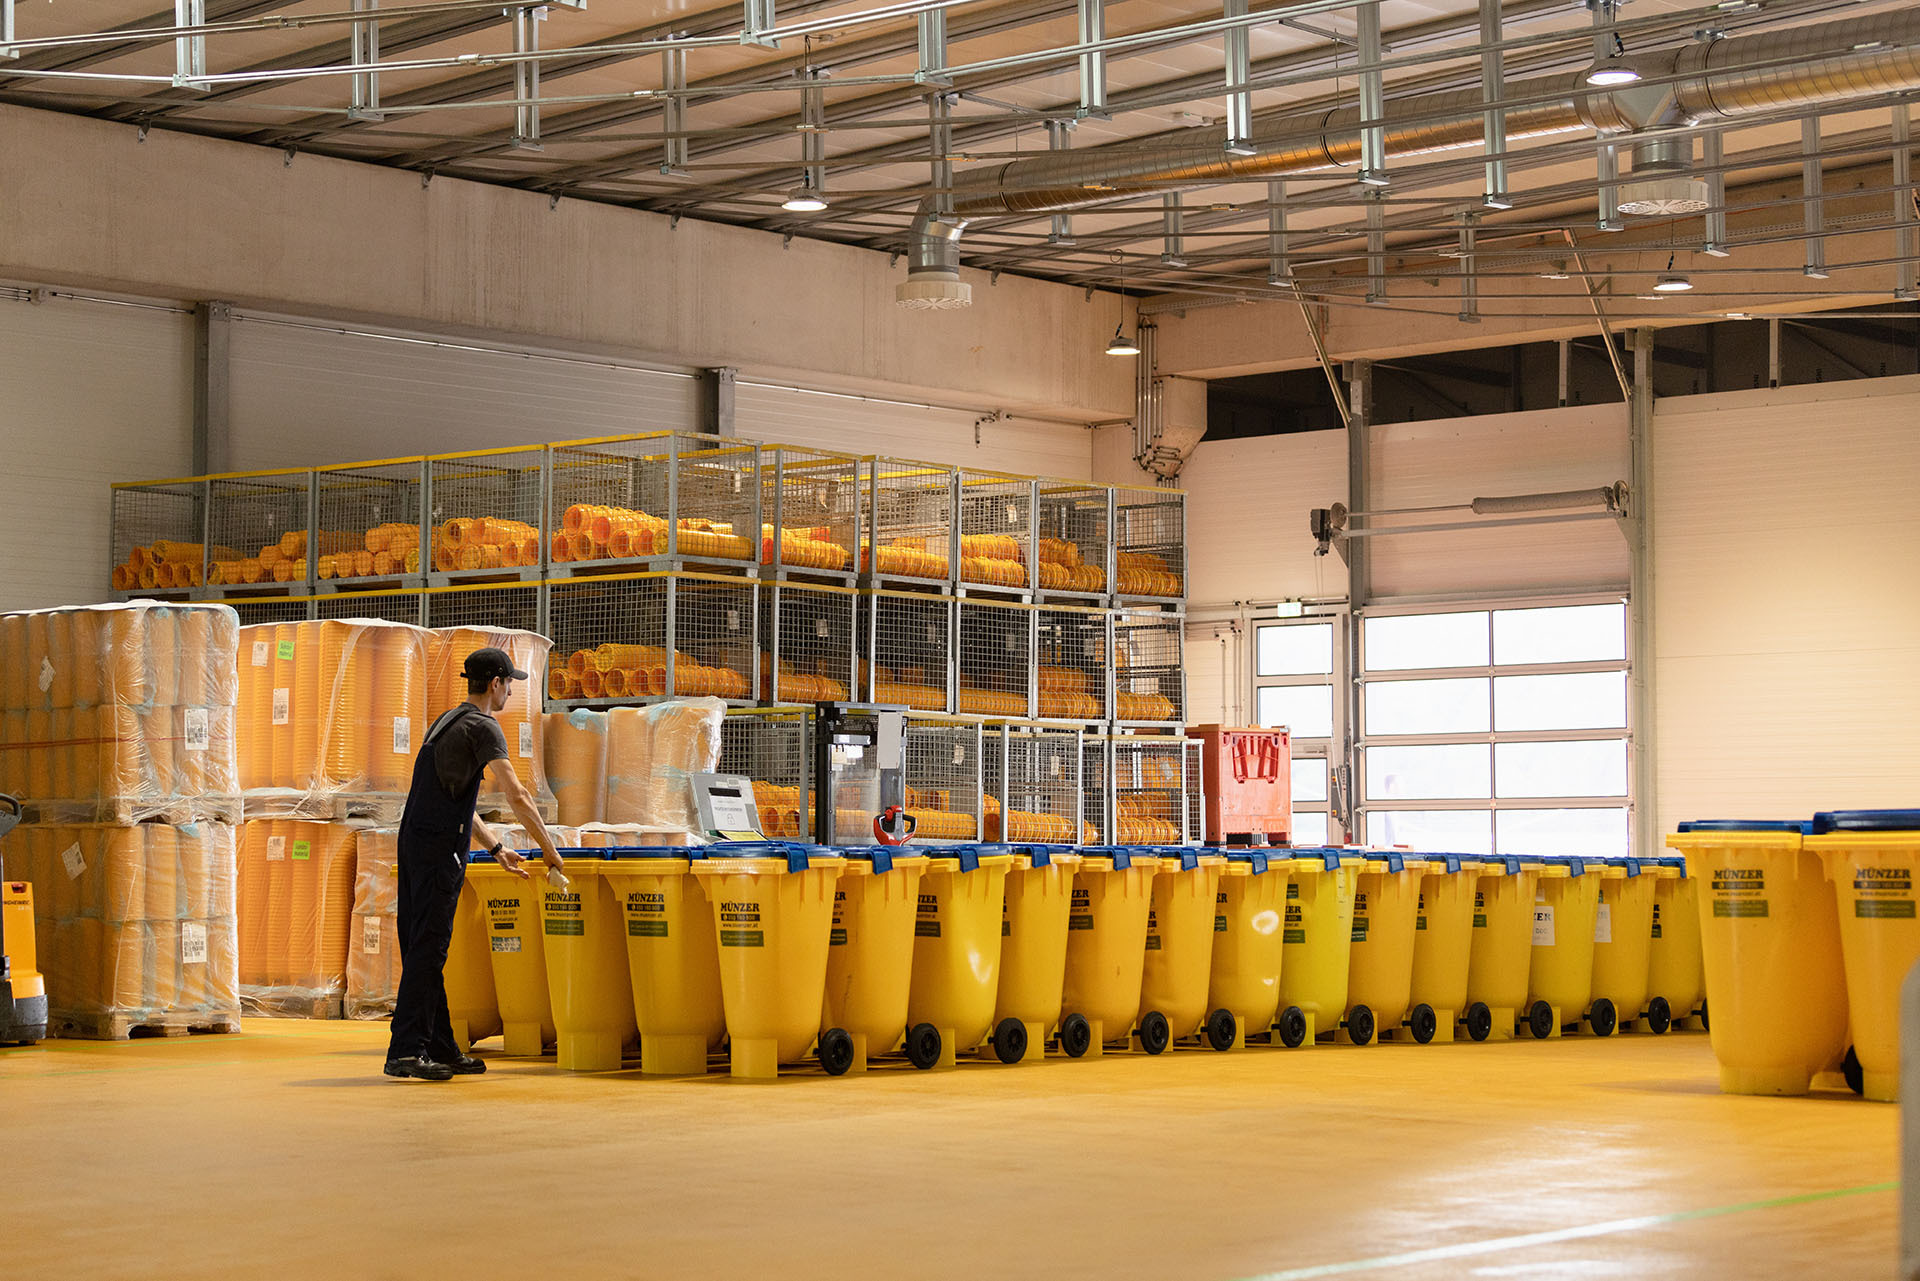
1662,184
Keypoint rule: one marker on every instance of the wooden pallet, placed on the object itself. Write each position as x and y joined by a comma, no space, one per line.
139,1025
286,1003
383,808
123,812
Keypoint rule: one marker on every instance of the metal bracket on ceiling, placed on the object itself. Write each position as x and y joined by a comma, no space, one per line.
526,78
553,201
363,44
289,153
759,20
190,52
786,241
1090,290
997,416
140,132
673,221
993,278
6,30
673,80
893,259
426,179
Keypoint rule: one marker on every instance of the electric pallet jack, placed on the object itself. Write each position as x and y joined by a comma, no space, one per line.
23,993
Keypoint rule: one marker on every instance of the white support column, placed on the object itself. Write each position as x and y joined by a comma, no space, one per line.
1060,138
1492,73
940,140
6,30
933,48
1239,59
1906,232
1607,165
189,52
363,45
1279,270
1174,254
813,135
1469,283
1373,106
757,20
526,77
1646,812
1713,153
1816,207
1093,66
673,79
1376,250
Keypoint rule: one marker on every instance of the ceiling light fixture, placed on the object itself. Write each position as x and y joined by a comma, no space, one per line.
1671,281
1556,272
1121,344
804,200
1615,70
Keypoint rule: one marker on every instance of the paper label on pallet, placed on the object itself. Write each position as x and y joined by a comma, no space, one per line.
262,651
1543,925
1603,924
733,620
282,706
403,736
193,943
370,935
526,740
1054,766
75,863
302,851
285,650
959,753
820,628
276,849
46,675
197,733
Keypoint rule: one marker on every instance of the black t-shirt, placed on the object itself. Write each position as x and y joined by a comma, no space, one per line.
465,747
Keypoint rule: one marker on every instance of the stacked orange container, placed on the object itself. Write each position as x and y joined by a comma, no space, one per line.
296,905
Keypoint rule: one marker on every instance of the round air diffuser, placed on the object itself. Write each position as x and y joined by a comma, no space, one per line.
1665,196
933,291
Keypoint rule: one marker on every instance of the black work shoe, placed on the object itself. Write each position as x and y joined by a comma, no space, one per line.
467,1065
422,1068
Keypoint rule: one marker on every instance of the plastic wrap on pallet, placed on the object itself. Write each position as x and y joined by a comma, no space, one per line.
119,713
576,764
522,720
135,924
652,754
373,943
600,836
296,909
330,707
515,838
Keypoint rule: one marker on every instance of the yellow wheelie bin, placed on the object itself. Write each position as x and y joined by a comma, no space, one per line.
1316,943
1503,902
1676,983
671,958
472,1007
1179,960
1770,944
511,905
1442,946
1386,905
1106,947
1560,975
1033,949
870,956
1870,857
772,905
583,928
1622,944
1249,905
956,952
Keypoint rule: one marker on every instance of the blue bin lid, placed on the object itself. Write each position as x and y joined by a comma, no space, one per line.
650,851
1042,855
1575,864
1256,860
1633,865
1748,825
881,856
1331,855
968,854
798,856
1188,855
1509,862
1122,855
1668,860
1453,862
1866,821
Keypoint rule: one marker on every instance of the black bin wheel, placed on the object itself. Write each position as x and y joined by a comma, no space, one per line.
1856,1076
1704,1025
1010,1041
1603,1018
1360,1025
1221,1029
1540,1020
1076,1035
1154,1032
1479,1021
1659,1016
836,1051
1292,1027
1424,1023
923,1045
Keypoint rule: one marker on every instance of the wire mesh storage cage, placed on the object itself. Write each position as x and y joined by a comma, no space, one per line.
389,607
807,643
1073,670
996,518
1074,540
1150,680
946,779
255,610
906,650
640,500
1149,543
367,519
257,526
633,637
1033,784
809,512
485,516
1150,786
158,536
514,606
1096,789
1196,783
994,649
907,526
771,748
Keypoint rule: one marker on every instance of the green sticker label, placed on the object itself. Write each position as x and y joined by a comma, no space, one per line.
1360,930
284,650
1885,909
743,938
646,929
837,939
303,850
1479,920
1219,925
564,927
1419,923
1153,942
1080,922
1740,907
1293,936
926,929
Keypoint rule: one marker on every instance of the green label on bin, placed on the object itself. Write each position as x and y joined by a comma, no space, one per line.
1080,922
743,938
837,939
303,850
646,929
1419,922
1740,907
566,927
926,929
284,650
1006,930
1293,891
1884,908
1293,936
1153,942
1479,920
1219,925
1359,929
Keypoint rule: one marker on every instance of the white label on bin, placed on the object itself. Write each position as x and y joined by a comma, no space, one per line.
276,849
1543,925
820,628
402,736
1603,924
370,935
262,651
75,863
526,740
46,675
197,733
282,706
193,943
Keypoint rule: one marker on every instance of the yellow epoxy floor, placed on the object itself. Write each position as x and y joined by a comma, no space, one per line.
283,1152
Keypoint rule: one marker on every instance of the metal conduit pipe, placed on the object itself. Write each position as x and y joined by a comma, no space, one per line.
1721,79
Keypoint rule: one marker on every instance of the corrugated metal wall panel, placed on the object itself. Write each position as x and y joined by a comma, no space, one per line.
305,395
93,393
1787,600
854,425
1247,505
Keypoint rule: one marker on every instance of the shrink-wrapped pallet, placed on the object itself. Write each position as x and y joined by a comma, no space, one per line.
652,754
373,944
119,713
296,905
135,924
576,764
521,721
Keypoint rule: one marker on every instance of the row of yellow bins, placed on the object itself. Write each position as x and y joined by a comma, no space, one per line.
1809,928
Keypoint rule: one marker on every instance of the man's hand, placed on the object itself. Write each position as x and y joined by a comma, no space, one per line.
512,862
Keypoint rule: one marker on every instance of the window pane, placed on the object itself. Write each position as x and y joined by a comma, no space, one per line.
1309,778
1592,833
1426,640
1427,707
1562,769
1428,773
1433,831
1307,710
1583,700
1310,828
1296,651
1564,634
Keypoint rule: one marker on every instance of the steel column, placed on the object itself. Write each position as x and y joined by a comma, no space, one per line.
1492,74
1239,67
1906,244
1469,285
1174,252
364,48
1607,167
1093,65
673,118
813,131
1060,138
1279,272
932,41
1376,249
1639,530
526,79
1713,154
758,19
6,30
1773,351
189,52
1373,107
212,388
1814,205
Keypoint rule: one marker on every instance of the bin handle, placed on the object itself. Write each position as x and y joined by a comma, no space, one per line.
796,854
1632,865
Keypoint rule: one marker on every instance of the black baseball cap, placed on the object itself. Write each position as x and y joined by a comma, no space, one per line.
486,664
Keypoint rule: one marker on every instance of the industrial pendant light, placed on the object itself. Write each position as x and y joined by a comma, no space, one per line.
1671,281
1121,344
1615,70
804,199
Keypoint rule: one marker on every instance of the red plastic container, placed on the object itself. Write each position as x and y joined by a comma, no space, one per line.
1248,777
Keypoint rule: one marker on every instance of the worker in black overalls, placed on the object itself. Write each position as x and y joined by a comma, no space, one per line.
436,831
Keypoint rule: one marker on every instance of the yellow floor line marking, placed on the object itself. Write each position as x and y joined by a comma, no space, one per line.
1530,1239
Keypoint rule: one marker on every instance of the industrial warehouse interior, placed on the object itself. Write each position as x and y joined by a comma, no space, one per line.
959,638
